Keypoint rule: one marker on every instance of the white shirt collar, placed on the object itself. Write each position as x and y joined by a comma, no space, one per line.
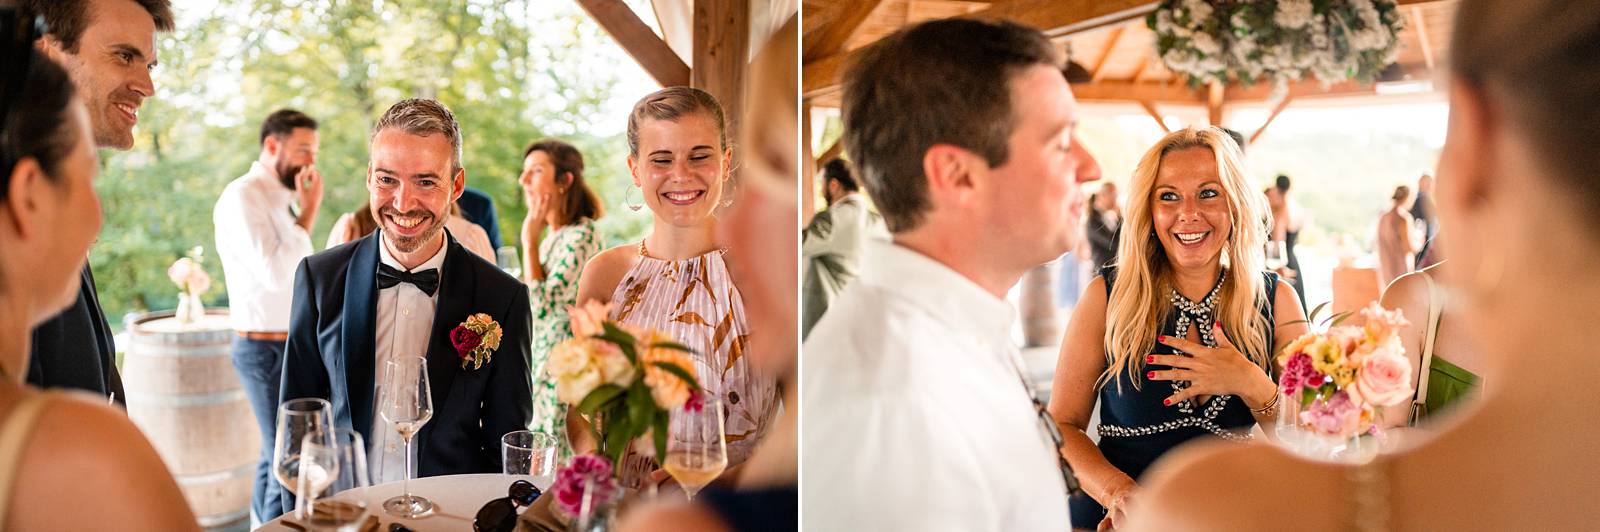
436,261
935,287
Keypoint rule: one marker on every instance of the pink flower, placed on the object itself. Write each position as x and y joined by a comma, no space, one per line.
588,470
1298,373
464,341
587,319
1334,416
1384,378
1382,323
696,402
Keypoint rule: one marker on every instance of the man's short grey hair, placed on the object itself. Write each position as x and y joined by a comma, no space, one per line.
423,117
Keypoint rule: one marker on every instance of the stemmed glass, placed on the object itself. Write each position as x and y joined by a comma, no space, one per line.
1277,255
508,260
406,403
298,418
338,468
696,449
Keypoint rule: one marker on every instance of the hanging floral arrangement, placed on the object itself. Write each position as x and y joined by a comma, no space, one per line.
1282,41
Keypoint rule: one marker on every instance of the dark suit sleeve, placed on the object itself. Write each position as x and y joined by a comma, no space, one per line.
508,402
303,372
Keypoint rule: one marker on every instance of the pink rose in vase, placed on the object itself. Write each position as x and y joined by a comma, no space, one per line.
1334,416
1385,376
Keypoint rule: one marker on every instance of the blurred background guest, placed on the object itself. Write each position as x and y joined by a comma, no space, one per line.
1396,246
558,198
833,241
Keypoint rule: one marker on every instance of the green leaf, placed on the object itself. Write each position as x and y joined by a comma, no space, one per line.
675,370
660,435
1316,310
601,395
675,346
640,407
621,338
1336,319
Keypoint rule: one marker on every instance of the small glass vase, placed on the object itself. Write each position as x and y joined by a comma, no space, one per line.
190,309
1293,434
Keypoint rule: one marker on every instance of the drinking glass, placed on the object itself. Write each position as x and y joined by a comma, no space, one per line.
348,461
506,257
406,404
1277,255
298,418
696,449
525,452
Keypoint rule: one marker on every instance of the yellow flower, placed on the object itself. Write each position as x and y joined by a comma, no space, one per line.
1327,357
668,390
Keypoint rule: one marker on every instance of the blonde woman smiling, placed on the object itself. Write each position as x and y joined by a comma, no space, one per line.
1175,340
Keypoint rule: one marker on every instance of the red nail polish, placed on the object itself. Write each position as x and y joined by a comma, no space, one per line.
1151,359
1161,338
1150,375
1167,402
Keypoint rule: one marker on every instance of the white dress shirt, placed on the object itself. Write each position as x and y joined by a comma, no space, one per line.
260,246
915,416
405,321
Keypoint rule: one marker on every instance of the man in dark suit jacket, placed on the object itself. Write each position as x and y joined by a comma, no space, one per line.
399,292
479,208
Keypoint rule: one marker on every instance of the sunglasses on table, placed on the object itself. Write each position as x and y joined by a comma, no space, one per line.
500,515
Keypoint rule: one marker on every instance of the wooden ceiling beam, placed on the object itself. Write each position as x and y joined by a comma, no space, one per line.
1099,71
1422,35
1112,91
639,41
1056,18
1282,104
1150,107
842,21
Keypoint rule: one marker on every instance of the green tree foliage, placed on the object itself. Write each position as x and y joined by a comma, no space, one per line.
512,71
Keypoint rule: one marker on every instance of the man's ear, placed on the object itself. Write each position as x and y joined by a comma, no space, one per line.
949,171
460,183
1470,156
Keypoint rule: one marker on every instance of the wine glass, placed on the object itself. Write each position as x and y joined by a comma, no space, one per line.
298,418
344,466
406,404
524,452
696,449
506,257
1277,255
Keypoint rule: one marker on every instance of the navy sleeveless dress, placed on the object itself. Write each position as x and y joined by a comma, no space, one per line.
1136,429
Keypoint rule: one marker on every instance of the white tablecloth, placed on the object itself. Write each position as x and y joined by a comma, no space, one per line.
456,499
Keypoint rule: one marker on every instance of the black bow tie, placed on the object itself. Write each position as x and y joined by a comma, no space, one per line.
426,280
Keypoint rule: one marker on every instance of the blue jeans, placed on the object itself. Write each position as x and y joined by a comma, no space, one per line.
260,365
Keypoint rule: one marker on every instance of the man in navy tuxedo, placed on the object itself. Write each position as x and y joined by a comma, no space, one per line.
398,293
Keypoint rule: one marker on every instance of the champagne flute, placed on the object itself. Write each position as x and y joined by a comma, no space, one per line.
508,260
348,458
697,451
298,418
406,403
1277,255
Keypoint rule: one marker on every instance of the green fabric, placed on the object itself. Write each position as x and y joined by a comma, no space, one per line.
1447,384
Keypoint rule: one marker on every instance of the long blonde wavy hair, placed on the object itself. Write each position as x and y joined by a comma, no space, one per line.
1139,304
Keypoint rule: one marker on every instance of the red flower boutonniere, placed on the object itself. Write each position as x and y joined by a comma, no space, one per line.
476,340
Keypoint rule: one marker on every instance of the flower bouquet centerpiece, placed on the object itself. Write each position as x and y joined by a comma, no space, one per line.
1288,40
625,381
190,275
1334,384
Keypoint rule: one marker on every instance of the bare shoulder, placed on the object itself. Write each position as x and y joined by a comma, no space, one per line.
79,438
1405,292
604,272
1210,485
672,517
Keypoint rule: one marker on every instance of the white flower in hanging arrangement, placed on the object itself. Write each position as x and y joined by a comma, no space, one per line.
1287,40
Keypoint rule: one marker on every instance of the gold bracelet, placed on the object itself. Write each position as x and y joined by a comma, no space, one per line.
1270,407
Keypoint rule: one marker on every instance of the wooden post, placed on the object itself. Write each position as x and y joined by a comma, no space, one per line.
808,169
721,51
1214,103
639,41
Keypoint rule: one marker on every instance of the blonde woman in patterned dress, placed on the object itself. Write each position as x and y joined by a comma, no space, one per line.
676,280
552,183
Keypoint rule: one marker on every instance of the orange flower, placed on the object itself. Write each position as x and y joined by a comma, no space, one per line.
669,390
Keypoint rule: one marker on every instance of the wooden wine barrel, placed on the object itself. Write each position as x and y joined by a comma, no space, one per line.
1037,305
184,393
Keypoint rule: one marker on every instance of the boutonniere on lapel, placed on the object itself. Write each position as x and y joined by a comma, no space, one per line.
476,340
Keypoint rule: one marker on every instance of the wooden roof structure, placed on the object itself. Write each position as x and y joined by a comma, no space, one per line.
1107,37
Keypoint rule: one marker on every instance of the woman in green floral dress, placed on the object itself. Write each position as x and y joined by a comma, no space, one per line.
552,183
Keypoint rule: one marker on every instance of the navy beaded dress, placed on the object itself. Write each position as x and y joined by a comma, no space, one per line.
1136,429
